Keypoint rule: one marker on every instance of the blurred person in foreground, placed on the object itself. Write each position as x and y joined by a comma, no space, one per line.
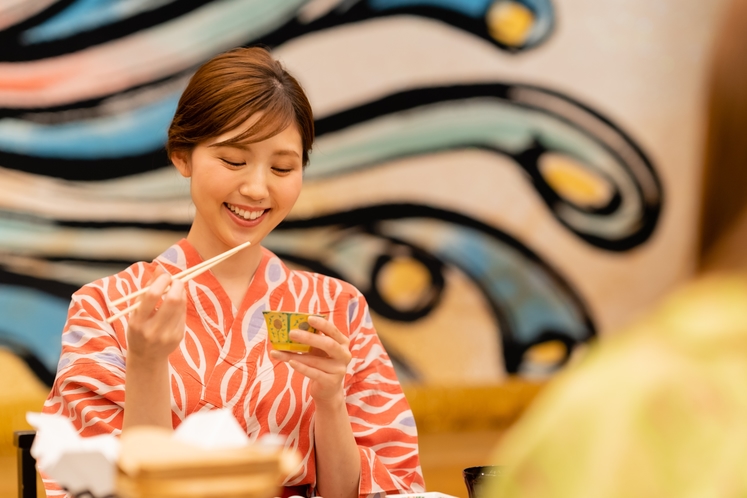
660,410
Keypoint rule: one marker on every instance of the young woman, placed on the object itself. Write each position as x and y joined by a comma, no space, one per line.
242,134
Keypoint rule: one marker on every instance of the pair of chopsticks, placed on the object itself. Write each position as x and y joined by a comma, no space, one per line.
184,276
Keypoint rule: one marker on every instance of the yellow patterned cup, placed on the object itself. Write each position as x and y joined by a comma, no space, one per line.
280,323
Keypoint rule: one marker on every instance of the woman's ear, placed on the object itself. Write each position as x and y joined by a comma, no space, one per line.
180,158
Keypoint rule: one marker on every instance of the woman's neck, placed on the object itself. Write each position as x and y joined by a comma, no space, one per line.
235,273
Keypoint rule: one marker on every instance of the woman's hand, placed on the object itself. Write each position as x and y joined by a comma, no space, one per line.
325,365
154,330
157,326
338,461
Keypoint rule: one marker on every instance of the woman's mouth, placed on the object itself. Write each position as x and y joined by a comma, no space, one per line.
247,215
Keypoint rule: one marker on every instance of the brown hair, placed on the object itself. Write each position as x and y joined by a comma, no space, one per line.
231,87
724,193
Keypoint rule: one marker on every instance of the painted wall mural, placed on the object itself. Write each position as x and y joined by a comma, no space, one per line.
88,87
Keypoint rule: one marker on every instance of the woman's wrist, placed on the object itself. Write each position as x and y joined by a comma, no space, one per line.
147,391
146,360
337,454
335,404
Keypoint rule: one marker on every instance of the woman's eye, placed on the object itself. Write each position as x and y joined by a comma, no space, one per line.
231,163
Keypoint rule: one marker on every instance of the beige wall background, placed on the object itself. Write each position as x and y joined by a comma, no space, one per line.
640,63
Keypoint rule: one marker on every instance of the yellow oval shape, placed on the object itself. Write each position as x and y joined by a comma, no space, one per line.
509,22
575,183
404,283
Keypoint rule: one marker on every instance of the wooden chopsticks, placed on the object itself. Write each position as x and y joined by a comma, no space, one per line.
184,276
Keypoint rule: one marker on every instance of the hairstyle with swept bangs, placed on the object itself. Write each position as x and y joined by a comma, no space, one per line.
230,88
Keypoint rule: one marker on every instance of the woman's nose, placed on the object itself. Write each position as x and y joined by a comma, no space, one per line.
254,184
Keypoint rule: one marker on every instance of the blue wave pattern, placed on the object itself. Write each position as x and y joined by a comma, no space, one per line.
492,117
136,131
32,321
472,8
544,14
84,15
529,299
532,302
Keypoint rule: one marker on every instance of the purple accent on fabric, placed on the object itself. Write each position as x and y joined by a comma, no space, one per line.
408,421
255,324
63,363
352,307
72,336
112,359
273,272
171,255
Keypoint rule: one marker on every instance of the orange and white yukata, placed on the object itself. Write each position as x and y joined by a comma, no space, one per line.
223,362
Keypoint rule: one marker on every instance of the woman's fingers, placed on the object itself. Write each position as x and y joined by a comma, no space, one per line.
327,363
334,380
314,362
157,326
164,300
328,328
149,300
172,310
318,341
310,372
322,343
156,273
330,340
175,295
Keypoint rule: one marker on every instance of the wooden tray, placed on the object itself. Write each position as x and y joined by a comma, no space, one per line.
152,464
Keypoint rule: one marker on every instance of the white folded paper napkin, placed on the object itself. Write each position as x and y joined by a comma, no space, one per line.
88,464
78,464
214,429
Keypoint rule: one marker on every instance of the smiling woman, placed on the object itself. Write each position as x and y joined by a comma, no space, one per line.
241,191
242,134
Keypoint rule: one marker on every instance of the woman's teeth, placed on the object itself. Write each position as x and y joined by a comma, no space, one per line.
247,215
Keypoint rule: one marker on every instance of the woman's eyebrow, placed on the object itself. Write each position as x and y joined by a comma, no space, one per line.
286,152
232,146
244,147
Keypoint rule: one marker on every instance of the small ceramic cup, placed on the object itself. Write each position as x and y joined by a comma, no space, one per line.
280,323
477,479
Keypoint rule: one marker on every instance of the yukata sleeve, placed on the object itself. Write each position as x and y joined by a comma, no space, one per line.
89,385
380,416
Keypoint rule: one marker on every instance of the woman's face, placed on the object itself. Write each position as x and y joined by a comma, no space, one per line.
241,192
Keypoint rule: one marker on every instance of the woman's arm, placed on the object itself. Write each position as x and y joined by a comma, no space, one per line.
338,462
154,331
337,456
